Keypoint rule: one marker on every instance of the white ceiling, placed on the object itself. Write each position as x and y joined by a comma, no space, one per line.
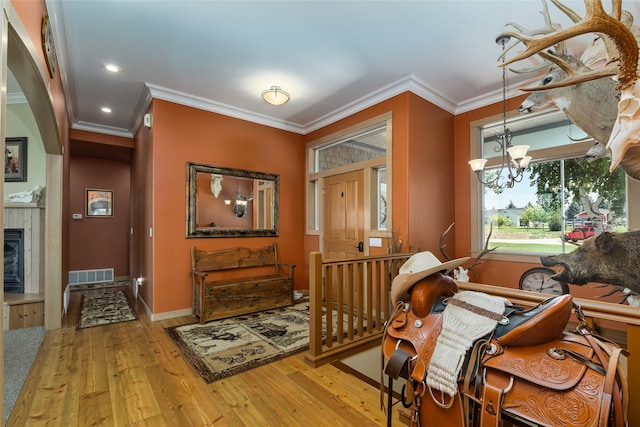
333,57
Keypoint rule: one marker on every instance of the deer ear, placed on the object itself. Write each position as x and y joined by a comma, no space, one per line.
605,242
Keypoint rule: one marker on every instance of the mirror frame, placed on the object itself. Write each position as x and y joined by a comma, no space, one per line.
192,202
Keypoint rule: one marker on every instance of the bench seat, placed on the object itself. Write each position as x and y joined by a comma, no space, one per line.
226,297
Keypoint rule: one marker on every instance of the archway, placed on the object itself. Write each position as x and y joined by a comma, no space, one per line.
22,59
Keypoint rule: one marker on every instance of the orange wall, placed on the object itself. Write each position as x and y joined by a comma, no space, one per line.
430,180
182,134
101,138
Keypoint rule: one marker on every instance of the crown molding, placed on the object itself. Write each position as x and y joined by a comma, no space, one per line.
57,11
182,98
108,130
407,83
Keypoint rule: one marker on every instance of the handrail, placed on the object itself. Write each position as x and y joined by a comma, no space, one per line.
598,309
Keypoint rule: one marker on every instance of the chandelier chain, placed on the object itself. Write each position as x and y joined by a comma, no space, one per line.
520,161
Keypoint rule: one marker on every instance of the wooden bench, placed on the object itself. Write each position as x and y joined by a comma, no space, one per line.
238,281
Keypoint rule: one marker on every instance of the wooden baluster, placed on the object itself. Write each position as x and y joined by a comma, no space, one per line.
315,306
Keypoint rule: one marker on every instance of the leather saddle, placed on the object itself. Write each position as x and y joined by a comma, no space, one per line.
527,369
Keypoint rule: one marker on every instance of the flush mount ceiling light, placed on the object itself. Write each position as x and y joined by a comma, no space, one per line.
112,67
275,96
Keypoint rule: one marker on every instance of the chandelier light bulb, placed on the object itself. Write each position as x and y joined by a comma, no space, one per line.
477,164
518,151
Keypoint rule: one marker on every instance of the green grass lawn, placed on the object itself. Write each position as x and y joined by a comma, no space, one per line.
532,247
531,234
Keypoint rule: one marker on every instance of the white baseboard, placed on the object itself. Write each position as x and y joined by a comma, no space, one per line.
155,317
171,314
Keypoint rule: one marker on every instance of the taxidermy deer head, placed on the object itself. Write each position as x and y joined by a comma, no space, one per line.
621,45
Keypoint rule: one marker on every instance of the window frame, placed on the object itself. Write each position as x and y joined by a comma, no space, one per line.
313,220
547,154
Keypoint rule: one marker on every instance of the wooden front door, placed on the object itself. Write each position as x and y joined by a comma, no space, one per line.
343,206
343,233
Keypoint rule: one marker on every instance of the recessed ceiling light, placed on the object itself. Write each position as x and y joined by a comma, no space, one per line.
106,109
112,67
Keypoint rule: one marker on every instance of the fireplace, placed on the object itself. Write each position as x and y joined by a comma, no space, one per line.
14,260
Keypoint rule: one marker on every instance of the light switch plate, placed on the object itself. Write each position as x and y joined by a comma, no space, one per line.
375,242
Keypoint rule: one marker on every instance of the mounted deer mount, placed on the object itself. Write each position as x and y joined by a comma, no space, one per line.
621,44
460,273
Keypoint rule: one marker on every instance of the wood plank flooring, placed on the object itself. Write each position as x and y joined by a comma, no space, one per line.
132,374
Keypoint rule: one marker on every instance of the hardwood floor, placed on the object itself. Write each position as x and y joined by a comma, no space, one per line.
132,374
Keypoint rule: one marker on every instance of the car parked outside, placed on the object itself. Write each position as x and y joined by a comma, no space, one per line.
580,233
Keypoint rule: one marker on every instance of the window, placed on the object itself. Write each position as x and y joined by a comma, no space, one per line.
550,207
381,208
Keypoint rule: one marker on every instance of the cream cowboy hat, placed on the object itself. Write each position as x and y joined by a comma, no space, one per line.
416,268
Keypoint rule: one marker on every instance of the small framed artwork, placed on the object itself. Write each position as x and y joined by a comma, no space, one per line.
99,203
15,159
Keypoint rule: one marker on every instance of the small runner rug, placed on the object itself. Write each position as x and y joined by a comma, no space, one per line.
100,285
222,348
104,308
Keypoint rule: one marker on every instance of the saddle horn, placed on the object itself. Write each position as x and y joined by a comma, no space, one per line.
425,292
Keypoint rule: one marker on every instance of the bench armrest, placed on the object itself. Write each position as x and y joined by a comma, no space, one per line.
198,276
284,264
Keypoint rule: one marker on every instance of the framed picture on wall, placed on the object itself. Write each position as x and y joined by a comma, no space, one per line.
99,203
15,159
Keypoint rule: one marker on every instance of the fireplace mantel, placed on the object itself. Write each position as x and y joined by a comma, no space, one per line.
13,205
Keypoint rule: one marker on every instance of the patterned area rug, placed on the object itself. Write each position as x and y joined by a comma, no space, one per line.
101,285
226,347
104,308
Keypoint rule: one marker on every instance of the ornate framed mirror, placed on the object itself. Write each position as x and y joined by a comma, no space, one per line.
226,202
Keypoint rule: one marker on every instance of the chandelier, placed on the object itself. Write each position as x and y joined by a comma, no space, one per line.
517,160
240,203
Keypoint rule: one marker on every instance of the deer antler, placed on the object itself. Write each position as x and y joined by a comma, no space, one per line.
548,28
476,260
442,244
548,25
485,251
595,20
